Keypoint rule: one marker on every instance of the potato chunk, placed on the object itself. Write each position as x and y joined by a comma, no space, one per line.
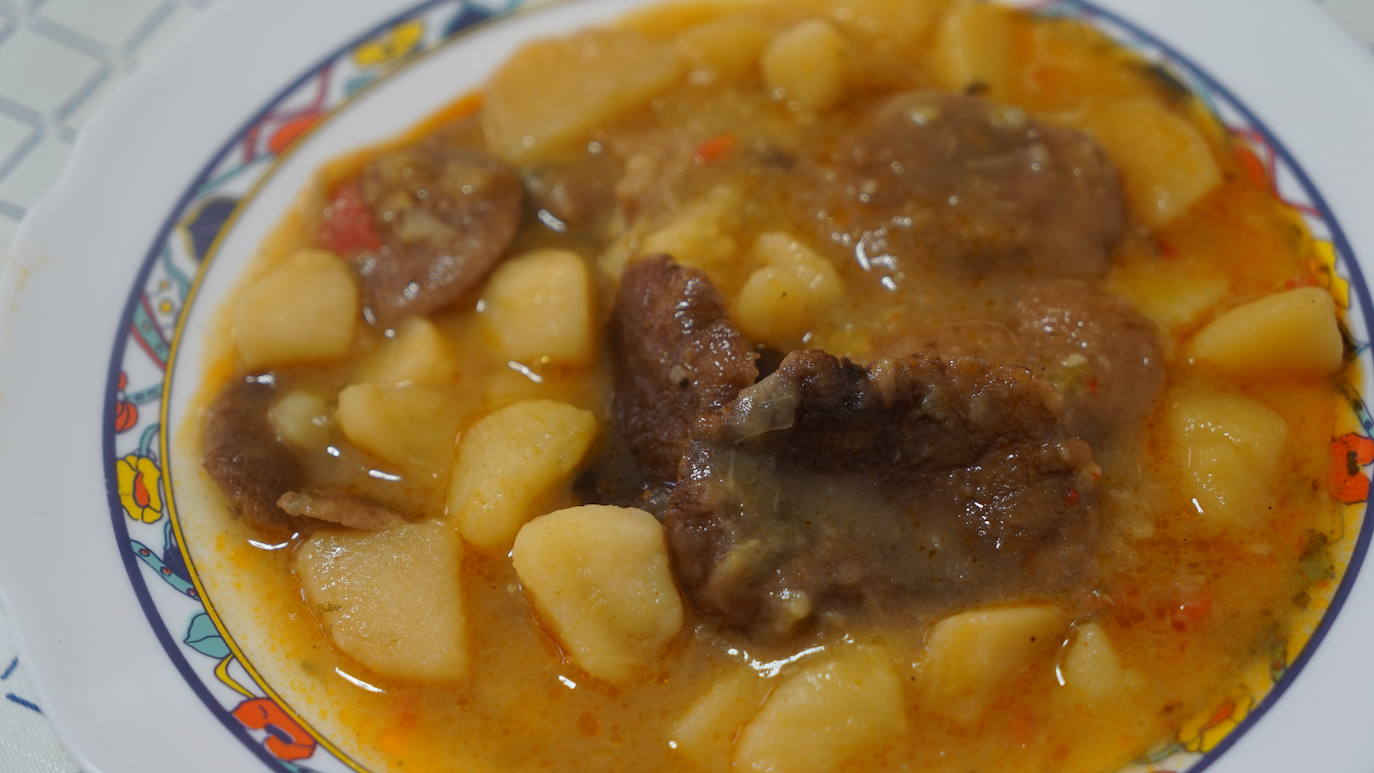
1231,446
705,734
968,654
599,578
700,233
410,426
782,250
390,599
825,714
1091,666
304,310
884,23
551,93
808,64
771,308
508,460
1166,164
972,45
538,308
1293,331
1174,293
418,356
780,302
723,48
302,418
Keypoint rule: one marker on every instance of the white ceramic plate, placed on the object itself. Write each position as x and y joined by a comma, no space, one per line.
135,673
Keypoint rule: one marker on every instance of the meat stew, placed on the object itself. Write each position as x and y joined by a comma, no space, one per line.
778,386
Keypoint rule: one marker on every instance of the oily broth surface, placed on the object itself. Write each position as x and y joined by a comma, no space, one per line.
525,706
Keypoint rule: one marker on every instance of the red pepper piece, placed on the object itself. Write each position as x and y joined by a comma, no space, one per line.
348,227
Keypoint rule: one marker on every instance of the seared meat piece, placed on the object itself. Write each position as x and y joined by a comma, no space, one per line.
243,454
342,509
957,182
989,339
613,476
579,194
445,216
916,484
259,474
1100,353
677,356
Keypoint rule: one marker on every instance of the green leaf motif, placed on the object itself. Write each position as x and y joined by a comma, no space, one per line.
202,637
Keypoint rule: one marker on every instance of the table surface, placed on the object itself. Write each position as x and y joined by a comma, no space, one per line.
58,60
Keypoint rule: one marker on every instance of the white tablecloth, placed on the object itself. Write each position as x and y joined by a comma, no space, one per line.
58,59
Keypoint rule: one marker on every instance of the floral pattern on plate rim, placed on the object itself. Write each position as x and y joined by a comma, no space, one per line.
138,379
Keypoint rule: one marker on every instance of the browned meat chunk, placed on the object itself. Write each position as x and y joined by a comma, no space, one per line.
916,484
244,455
259,474
677,356
957,182
989,339
1100,353
342,509
445,216
579,194
613,476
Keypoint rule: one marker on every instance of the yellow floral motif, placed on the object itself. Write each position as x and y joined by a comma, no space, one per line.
139,487
390,45
1324,264
1203,732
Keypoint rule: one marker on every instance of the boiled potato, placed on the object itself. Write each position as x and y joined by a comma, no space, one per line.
1173,293
302,418
304,310
418,356
1166,164
885,22
824,714
1293,331
537,308
599,578
699,234
823,284
552,93
1231,446
1091,666
973,45
780,302
508,460
724,48
705,733
969,654
772,308
390,599
410,426
808,64
660,21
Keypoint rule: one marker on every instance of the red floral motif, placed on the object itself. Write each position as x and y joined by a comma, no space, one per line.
1349,453
291,130
126,413
286,739
1254,167
126,416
